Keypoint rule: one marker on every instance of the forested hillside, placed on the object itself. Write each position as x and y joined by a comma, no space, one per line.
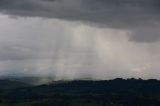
117,92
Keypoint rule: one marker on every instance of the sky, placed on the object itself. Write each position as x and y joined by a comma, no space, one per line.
72,39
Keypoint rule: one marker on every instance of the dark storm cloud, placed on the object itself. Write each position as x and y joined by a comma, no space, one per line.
122,14
116,13
147,35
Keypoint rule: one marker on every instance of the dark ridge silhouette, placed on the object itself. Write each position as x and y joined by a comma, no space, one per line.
117,92
10,84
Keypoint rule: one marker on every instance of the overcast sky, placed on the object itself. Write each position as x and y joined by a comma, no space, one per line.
68,39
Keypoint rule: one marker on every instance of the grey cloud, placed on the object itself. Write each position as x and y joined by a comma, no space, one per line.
111,13
65,49
132,15
13,52
69,50
145,35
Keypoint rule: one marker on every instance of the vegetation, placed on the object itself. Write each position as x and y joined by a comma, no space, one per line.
117,92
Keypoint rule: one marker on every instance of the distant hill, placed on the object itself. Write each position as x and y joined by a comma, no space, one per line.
28,79
117,92
10,84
